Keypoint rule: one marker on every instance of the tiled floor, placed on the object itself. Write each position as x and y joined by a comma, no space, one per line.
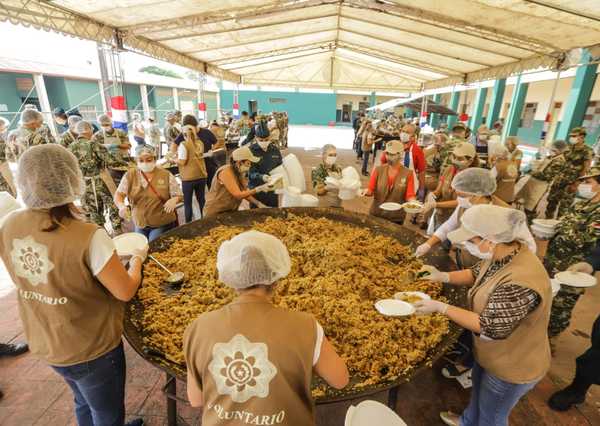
35,395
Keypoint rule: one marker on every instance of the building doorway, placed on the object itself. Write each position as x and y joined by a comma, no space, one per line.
346,113
252,107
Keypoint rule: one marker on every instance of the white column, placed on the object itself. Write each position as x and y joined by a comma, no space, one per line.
42,94
102,96
219,88
175,98
145,104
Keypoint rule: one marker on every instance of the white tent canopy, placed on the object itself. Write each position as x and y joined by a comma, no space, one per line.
385,45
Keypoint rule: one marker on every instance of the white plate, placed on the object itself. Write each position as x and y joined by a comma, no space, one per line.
127,243
546,223
390,207
555,286
423,296
412,210
371,413
394,308
576,279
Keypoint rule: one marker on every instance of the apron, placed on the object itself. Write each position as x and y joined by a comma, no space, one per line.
533,191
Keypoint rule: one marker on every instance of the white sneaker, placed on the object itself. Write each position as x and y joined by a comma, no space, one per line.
449,418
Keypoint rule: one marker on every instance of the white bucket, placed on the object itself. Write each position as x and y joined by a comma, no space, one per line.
291,197
295,172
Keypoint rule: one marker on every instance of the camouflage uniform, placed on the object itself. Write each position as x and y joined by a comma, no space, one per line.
21,139
93,158
46,133
552,174
318,175
446,150
111,141
3,183
171,131
67,138
576,236
576,158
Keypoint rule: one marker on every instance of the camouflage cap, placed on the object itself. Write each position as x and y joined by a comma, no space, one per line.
576,131
459,125
593,172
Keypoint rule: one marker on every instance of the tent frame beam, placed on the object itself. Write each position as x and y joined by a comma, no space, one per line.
276,52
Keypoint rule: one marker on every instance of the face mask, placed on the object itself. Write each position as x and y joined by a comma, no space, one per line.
393,158
147,167
573,140
107,128
483,138
404,137
61,121
461,164
584,190
475,251
264,145
244,168
463,202
330,160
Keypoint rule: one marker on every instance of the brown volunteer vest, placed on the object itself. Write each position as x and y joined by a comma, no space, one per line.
253,361
384,194
67,315
219,199
431,174
147,207
447,192
524,356
194,166
505,180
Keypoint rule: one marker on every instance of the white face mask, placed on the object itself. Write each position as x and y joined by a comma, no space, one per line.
404,137
573,140
464,202
461,164
147,167
330,160
584,190
244,168
475,251
264,145
483,137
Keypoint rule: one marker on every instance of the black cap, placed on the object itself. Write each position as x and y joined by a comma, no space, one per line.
58,111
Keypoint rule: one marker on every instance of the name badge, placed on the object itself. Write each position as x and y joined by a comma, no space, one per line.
161,181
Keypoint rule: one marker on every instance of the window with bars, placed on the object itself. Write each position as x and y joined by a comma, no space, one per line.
528,115
88,112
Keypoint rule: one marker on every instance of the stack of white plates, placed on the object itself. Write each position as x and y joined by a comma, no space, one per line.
544,228
575,279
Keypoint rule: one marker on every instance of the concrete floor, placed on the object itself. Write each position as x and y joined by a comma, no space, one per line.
35,395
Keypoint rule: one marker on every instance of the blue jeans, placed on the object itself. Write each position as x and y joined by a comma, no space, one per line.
139,140
492,399
365,164
154,233
189,188
99,389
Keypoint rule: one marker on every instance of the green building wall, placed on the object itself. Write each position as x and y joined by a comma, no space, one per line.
302,108
11,96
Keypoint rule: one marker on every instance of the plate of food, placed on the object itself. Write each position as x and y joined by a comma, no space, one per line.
127,243
390,207
549,224
412,207
576,279
411,296
394,308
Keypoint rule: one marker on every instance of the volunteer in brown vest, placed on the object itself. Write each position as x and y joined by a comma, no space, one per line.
508,309
192,169
70,284
506,173
230,186
391,182
251,362
473,186
444,198
153,194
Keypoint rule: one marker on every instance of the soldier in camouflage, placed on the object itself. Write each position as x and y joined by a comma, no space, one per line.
577,234
32,132
93,159
4,186
459,132
328,197
114,140
578,159
68,137
171,130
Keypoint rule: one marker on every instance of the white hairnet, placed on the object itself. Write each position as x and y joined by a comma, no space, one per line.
72,121
83,127
499,151
104,119
144,149
493,223
203,124
475,181
49,176
326,148
252,258
29,116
